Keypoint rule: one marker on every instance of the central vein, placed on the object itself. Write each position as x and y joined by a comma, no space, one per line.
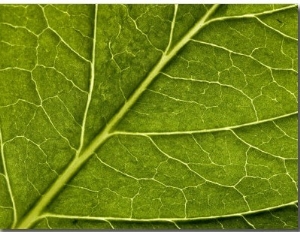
80,159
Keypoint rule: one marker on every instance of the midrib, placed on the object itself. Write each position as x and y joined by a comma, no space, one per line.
33,215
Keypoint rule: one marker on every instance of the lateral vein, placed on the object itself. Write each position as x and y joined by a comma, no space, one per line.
7,180
210,130
92,81
50,215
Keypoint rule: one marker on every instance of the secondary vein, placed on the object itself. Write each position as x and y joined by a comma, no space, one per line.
246,213
209,130
7,180
92,81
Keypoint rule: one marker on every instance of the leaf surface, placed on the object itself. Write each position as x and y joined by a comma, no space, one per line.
148,116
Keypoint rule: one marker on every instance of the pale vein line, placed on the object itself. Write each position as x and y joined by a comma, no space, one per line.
46,113
83,188
17,102
264,12
47,222
18,27
220,223
69,112
255,16
172,28
284,132
140,178
274,29
51,215
111,225
188,167
176,99
3,207
92,81
175,225
205,130
64,76
137,28
8,181
118,171
248,222
64,42
15,68
57,131
63,103
257,148
217,83
241,54
289,175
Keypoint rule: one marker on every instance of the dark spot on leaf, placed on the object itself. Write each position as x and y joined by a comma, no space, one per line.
75,221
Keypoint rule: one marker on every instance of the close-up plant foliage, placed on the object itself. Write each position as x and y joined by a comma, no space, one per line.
148,116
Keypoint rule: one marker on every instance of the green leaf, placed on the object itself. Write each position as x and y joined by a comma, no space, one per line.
148,116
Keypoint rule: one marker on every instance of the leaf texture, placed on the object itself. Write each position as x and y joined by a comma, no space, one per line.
148,116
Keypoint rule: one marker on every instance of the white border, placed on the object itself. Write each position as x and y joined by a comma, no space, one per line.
150,2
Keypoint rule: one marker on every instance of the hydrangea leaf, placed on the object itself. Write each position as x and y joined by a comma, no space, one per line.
148,116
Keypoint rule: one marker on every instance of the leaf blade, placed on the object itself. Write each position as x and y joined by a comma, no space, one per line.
153,115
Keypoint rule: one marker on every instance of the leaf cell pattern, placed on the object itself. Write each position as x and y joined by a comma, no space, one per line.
148,116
